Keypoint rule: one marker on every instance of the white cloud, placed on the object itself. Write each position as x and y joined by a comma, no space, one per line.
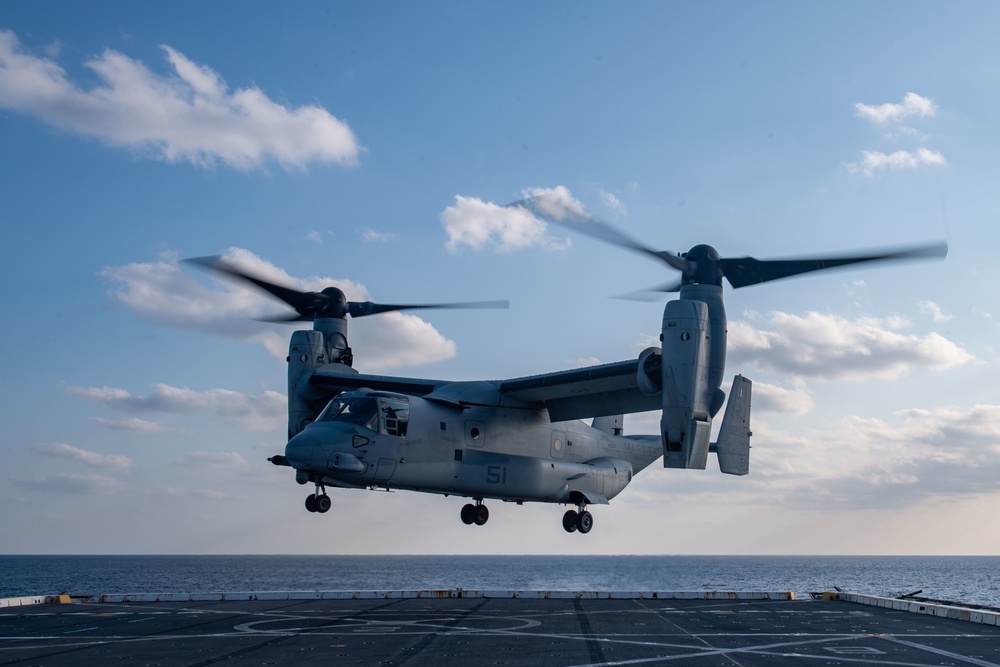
190,115
315,236
255,413
913,105
774,399
873,161
934,311
911,456
372,236
612,202
165,294
63,451
477,224
831,347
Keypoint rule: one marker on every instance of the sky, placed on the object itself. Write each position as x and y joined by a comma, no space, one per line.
371,146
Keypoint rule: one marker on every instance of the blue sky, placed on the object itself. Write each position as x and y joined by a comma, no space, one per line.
368,145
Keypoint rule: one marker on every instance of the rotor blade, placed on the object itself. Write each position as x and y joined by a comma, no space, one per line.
551,210
361,309
285,319
303,302
743,271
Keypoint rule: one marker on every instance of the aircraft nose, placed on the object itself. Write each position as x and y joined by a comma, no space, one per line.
301,450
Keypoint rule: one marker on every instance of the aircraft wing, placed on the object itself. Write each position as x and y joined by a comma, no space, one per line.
594,391
581,393
335,381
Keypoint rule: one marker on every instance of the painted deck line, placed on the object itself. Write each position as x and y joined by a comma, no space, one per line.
982,616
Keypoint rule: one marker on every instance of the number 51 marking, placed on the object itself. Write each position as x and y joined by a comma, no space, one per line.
496,475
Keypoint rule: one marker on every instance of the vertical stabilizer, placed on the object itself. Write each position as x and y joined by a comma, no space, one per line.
612,424
733,447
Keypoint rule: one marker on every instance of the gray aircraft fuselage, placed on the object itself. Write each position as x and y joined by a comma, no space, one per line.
510,454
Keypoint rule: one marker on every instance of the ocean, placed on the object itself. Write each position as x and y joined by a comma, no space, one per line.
969,579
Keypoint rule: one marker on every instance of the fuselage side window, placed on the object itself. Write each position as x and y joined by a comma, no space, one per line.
395,416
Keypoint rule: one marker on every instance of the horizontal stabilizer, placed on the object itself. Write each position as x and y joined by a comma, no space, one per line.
733,447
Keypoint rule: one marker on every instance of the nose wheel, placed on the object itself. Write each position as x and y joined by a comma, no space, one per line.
319,502
578,520
475,514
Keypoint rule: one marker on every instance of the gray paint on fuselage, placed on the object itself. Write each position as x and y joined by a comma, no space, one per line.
481,451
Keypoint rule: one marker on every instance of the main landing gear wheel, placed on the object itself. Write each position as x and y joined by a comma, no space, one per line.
320,503
573,521
475,514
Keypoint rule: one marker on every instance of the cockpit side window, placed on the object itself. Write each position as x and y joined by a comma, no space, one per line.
395,416
332,409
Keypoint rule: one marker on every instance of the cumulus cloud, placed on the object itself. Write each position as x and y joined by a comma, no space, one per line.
874,161
862,462
189,115
476,224
61,450
770,398
913,105
831,347
255,413
165,294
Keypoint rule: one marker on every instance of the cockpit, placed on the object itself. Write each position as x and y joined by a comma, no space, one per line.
388,414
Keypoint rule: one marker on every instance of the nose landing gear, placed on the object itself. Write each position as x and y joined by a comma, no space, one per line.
319,502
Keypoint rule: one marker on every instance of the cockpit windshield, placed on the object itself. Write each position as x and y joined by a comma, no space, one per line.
387,415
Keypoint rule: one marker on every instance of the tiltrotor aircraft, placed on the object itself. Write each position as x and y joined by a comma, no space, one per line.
522,440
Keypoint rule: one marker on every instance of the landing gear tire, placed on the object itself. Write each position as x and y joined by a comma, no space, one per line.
311,502
569,521
482,515
323,503
469,514
584,522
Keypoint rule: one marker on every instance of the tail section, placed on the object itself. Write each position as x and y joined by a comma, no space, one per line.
612,424
733,447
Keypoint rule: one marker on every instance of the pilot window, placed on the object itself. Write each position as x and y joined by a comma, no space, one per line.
361,411
389,416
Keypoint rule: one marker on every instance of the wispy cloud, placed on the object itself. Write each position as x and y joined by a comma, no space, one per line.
372,236
134,425
165,294
830,347
934,311
61,450
190,115
224,460
73,483
255,413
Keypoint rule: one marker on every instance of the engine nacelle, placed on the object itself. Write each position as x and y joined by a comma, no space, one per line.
649,376
687,420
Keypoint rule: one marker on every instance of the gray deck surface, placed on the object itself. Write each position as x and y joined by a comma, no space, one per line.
486,631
